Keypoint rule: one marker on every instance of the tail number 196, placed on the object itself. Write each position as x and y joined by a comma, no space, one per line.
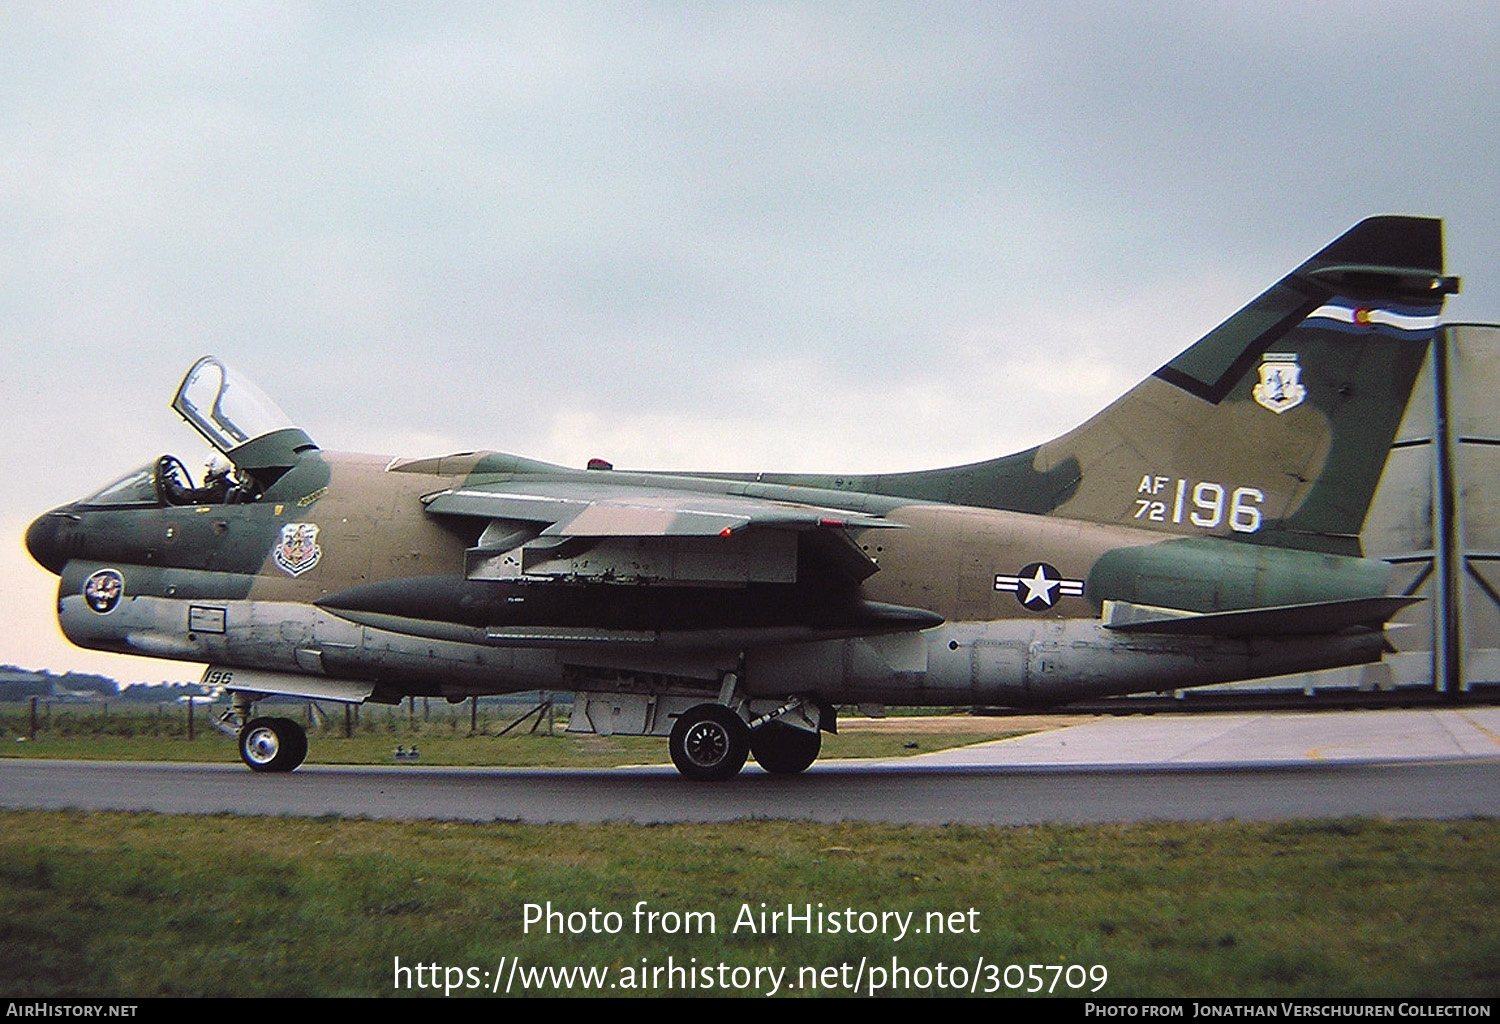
1205,504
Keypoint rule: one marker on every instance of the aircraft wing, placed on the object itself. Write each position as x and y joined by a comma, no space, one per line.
627,532
705,555
613,510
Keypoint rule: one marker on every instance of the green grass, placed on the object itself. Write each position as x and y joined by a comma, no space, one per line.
136,905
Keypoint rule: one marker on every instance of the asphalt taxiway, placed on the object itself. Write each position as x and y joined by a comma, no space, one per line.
1428,763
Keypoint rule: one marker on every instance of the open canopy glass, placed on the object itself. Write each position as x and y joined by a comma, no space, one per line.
226,408
237,418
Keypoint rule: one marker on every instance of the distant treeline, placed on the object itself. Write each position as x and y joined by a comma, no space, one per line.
22,684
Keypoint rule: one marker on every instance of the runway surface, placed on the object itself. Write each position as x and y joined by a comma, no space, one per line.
1254,766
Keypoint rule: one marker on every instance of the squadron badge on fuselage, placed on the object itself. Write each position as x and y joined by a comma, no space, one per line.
298,550
103,590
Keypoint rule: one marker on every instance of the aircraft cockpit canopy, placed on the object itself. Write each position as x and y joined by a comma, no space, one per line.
167,481
239,420
226,408
137,488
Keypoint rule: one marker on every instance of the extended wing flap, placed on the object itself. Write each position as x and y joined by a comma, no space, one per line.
613,518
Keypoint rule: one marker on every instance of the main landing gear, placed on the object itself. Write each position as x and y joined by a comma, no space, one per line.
783,749
266,744
273,744
710,743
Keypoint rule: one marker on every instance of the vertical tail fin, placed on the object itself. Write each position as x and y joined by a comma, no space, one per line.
1273,428
1276,425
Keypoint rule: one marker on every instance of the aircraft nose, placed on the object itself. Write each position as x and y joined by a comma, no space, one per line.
44,540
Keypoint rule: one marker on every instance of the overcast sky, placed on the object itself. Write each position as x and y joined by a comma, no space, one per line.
801,236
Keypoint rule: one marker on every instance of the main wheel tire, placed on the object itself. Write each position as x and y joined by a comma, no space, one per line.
297,737
785,749
709,743
272,744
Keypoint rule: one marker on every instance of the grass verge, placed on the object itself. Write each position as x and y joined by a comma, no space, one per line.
137,905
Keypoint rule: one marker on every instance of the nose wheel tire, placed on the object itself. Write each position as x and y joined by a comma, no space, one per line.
709,743
273,744
784,749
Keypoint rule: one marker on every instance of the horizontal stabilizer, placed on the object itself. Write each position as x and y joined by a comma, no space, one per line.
1285,620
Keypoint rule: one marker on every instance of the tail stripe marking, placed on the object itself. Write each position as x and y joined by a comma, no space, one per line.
1354,317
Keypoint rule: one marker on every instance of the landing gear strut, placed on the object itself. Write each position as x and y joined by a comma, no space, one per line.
273,744
709,743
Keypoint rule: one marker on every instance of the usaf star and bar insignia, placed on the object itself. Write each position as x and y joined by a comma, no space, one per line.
1039,586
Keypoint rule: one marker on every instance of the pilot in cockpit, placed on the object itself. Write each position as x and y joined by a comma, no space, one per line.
173,485
217,482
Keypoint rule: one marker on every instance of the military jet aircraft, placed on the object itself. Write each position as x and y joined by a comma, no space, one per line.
1201,529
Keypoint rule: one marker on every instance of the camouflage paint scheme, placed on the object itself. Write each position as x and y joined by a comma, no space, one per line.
1203,528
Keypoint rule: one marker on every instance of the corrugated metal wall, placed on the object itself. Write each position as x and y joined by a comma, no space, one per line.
1436,516
1474,376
